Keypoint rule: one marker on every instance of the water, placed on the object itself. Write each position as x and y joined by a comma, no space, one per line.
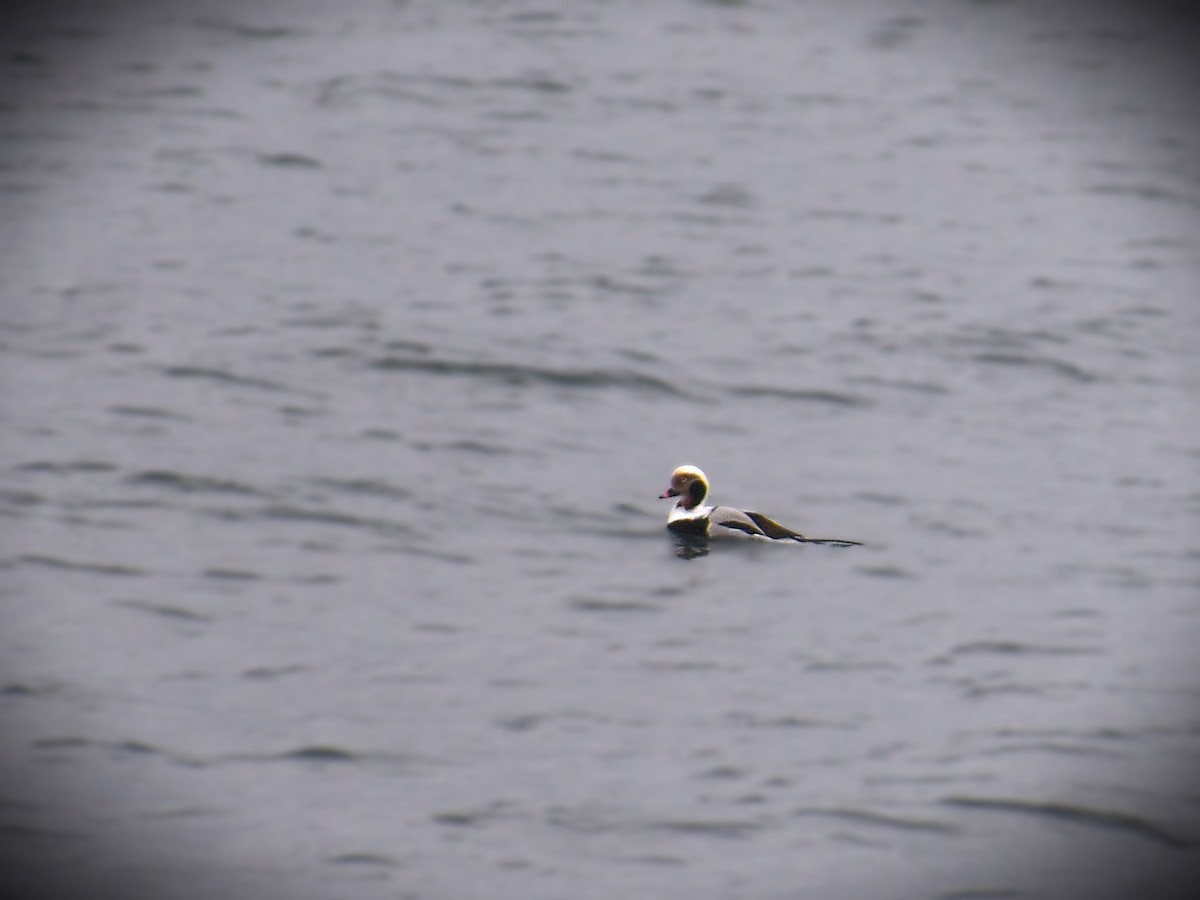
344,352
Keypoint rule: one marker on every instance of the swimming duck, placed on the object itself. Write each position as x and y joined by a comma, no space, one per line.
691,516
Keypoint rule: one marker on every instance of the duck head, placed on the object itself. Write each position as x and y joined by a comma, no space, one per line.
689,484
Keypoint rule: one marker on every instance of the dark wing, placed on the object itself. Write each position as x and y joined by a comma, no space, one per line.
774,530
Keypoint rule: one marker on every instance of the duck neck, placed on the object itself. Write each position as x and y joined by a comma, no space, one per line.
681,510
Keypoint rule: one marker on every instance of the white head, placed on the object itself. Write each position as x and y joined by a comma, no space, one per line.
690,485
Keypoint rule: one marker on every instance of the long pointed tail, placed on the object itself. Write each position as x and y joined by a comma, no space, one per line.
828,542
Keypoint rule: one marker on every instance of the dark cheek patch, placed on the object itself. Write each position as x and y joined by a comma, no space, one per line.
696,492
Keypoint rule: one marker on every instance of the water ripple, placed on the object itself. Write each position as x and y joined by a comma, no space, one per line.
1082,815
370,487
596,604
866,817
513,373
319,753
1012,648
189,483
718,828
73,565
146,412
286,512
1056,366
361,858
68,467
220,375
165,611
808,395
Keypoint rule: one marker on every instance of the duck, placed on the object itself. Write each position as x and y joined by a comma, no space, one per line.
691,516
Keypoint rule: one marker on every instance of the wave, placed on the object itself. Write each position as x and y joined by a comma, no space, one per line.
72,565
809,395
515,373
867,817
1045,363
220,375
190,484
1013,648
1081,815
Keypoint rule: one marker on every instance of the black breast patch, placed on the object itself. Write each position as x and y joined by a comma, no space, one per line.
689,526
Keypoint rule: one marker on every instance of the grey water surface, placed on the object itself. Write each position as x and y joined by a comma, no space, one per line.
344,349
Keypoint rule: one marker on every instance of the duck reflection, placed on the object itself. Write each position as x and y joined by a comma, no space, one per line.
690,545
